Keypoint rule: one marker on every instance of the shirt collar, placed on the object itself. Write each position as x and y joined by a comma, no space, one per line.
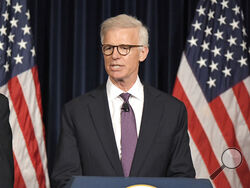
136,90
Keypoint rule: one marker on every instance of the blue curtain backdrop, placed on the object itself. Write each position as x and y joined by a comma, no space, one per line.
69,54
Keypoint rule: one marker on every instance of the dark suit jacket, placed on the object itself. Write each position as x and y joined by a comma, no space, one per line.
6,155
87,144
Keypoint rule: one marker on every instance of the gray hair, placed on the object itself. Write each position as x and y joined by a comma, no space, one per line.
125,21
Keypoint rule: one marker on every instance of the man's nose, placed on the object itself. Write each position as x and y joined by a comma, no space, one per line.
116,54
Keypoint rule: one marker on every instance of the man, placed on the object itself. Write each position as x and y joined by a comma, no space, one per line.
123,128
6,155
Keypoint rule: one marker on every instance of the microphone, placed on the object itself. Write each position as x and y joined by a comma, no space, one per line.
125,107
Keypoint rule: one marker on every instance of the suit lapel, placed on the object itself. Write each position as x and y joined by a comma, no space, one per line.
102,121
152,112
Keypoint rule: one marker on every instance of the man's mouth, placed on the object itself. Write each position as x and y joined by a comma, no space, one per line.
116,66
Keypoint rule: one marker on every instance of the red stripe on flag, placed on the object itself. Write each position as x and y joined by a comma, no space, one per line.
26,126
200,138
19,182
226,126
243,99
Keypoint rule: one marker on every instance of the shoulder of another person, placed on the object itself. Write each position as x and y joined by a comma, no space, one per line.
3,99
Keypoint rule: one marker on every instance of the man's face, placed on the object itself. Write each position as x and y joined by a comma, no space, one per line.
119,67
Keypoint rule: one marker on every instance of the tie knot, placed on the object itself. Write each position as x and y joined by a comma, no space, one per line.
125,96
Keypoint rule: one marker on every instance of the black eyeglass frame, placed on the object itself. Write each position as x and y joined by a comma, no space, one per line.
129,46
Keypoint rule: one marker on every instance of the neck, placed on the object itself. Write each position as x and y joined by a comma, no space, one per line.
122,84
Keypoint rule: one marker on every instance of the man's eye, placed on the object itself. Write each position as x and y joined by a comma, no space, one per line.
107,47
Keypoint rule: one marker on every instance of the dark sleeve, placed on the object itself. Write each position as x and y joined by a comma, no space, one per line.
6,153
67,161
181,164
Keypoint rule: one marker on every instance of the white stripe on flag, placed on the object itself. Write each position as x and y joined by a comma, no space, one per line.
200,106
205,116
27,83
240,126
199,165
247,84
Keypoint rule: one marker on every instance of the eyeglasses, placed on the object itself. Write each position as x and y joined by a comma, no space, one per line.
122,49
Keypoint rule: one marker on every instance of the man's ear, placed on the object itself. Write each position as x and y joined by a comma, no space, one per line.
143,53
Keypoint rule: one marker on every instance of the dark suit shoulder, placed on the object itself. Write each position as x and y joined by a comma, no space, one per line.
3,99
86,98
6,155
163,96
4,117
4,105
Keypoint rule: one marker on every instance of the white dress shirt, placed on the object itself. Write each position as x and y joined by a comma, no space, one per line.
136,100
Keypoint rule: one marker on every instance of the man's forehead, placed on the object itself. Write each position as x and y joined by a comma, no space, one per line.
133,29
120,33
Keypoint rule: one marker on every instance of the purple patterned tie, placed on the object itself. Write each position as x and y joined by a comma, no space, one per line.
128,134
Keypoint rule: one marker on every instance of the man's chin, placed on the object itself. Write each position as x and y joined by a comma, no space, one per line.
117,79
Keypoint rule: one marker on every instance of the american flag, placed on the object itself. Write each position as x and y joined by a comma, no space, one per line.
214,83
19,82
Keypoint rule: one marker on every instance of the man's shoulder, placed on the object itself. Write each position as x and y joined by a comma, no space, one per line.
161,95
87,97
